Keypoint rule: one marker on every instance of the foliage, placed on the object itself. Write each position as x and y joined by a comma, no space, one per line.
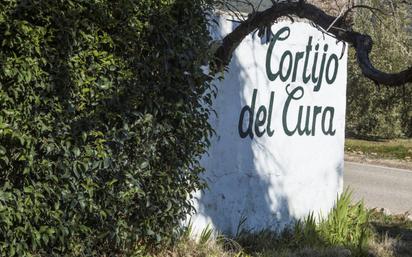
346,231
205,235
391,236
103,116
346,227
373,110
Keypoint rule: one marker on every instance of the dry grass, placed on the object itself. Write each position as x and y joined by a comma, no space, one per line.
218,249
392,237
394,233
383,246
380,246
191,248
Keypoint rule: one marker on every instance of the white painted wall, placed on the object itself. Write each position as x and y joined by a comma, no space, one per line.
270,181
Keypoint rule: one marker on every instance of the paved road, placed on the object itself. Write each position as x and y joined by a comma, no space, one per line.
379,186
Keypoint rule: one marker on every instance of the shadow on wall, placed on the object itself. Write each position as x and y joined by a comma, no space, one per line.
241,194
267,181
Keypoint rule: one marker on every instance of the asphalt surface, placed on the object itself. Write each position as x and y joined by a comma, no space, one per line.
380,187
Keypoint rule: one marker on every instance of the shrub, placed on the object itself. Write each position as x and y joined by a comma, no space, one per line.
103,117
347,225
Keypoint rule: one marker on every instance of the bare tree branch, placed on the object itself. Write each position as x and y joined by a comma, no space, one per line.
340,29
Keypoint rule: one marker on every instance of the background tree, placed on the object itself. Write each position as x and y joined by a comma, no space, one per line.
377,110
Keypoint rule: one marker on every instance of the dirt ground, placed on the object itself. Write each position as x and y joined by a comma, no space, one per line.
394,163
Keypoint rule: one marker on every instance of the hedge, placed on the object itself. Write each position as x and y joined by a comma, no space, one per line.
103,117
